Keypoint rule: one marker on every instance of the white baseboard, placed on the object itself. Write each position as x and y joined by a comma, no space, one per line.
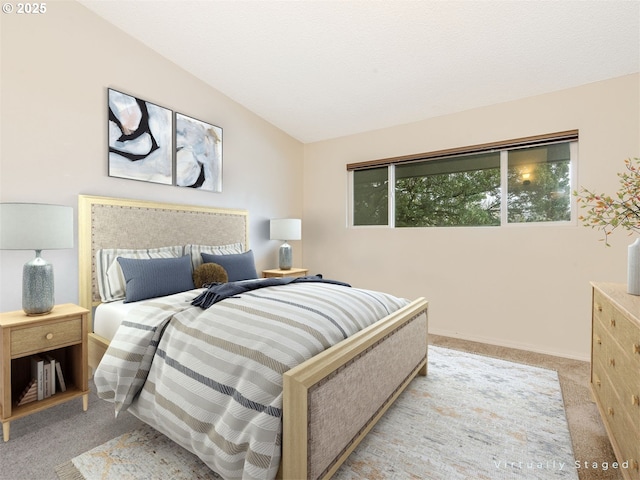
507,344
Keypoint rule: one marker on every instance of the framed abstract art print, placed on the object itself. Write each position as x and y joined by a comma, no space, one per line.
198,154
140,139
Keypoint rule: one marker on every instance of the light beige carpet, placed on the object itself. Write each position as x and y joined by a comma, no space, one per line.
471,417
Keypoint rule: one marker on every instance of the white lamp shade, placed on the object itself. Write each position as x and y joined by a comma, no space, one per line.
285,229
35,226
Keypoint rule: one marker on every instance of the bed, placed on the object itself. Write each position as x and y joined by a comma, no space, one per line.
329,401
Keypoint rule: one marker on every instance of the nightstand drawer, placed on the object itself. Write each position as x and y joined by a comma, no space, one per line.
46,336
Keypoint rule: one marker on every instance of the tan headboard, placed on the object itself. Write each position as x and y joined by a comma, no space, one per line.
105,222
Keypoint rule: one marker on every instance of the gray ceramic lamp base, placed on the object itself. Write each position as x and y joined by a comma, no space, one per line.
37,286
285,257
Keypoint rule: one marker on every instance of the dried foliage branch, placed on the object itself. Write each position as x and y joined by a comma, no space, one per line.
622,210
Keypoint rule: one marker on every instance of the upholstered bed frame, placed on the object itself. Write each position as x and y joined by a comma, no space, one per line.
355,381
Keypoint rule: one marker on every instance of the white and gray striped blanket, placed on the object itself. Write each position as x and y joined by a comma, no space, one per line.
211,379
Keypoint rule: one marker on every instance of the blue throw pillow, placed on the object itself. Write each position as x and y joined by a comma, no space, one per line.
239,266
155,277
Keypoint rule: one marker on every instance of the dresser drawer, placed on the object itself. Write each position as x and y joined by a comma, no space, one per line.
619,367
602,307
627,334
627,387
615,415
601,386
600,339
45,336
604,391
618,325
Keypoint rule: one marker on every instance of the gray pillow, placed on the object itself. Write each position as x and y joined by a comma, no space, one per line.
155,277
239,266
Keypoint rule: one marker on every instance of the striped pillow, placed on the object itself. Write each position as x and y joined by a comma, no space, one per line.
196,250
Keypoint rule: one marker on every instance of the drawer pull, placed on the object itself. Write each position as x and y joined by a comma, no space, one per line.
598,340
634,464
610,411
612,322
49,336
598,307
635,400
596,381
612,362
636,348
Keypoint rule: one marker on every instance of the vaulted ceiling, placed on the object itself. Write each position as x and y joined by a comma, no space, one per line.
320,69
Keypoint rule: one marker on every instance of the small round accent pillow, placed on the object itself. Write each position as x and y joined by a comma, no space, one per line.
209,273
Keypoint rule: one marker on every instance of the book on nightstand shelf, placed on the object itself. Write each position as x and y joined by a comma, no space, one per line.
37,372
46,379
61,382
52,376
29,394
44,371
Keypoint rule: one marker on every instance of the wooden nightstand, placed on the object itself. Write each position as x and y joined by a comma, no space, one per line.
292,272
60,334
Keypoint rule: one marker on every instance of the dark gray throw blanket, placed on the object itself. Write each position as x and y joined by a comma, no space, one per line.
220,291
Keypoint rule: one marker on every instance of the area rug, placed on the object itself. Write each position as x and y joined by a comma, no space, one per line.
471,417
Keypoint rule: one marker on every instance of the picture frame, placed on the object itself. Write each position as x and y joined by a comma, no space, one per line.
140,139
198,156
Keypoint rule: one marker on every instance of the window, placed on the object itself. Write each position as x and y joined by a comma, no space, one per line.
521,181
460,191
371,196
539,184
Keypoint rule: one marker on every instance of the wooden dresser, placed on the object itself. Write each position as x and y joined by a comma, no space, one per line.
615,370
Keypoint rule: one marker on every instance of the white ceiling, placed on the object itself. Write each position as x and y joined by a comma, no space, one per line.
320,69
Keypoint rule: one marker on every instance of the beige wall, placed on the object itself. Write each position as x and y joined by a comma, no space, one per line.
521,286
56,69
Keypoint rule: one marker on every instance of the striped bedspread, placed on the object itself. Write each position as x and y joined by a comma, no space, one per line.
211,379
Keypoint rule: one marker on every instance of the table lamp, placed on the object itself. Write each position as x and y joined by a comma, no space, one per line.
285,229
36,226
